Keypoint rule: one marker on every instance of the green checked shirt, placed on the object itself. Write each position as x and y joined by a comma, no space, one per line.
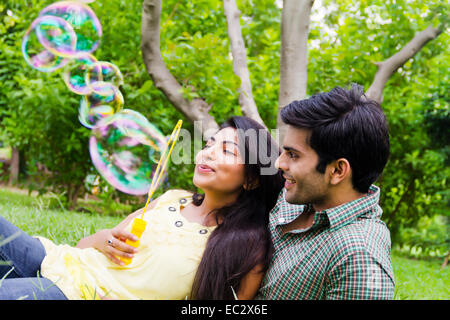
345,254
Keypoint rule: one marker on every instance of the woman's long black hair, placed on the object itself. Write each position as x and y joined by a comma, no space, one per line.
242,239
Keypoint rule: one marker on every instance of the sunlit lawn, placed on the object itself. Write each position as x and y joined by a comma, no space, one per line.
420,279
415,279
33,215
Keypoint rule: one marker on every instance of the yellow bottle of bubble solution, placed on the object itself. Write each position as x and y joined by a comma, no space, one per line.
137,228
139,224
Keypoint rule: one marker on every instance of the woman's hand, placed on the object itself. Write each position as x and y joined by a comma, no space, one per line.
250,283
111,242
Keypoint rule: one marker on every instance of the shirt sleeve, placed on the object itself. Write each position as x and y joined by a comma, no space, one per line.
359,277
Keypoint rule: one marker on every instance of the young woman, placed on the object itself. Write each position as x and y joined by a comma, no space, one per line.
209,245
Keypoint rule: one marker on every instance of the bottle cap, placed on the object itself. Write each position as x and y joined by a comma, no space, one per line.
139,226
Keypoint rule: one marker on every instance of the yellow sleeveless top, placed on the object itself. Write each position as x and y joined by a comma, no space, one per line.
170,251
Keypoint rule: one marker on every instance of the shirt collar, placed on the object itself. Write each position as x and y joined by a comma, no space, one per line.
286,212
337,216
348,212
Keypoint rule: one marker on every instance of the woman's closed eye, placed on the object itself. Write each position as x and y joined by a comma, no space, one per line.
230,147
226,151
206,146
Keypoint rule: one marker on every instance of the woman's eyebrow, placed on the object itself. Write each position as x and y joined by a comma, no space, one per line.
224,141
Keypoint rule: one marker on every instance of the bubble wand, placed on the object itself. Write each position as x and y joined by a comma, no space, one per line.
139,224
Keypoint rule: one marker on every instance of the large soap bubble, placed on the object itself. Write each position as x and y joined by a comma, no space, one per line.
104,100
85,24
125,148
102,71
42,31
75,74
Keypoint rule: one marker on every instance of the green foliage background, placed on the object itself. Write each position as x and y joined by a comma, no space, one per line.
39,115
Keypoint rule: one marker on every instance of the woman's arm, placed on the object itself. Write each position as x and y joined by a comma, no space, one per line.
92,240
250,283
118,235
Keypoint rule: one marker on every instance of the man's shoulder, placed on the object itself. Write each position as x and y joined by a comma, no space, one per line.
362,238
360,234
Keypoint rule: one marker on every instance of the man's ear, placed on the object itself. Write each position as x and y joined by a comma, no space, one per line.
339,170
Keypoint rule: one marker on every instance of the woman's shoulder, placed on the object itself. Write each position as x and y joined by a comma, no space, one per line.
174,195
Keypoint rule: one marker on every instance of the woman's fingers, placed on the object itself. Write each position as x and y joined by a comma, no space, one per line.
114,255
119,253
114,259
122,234
112,243
122,247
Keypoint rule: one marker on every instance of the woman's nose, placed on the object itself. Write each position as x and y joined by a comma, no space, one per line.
209,153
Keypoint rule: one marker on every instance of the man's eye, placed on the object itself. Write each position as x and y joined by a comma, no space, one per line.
292,155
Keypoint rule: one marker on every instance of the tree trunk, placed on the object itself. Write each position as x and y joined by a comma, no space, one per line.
72,196
14,167
444,264
196,109
294,54
246,101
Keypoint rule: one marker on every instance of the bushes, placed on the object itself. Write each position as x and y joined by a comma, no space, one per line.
429,238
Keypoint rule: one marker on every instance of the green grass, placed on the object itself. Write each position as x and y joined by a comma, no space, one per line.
415,279
34,216
420,279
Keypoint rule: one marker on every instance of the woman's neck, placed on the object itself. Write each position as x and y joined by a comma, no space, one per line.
212,202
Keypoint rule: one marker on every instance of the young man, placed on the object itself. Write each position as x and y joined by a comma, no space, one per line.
329,240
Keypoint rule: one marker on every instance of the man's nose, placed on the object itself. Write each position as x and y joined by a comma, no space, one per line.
280,163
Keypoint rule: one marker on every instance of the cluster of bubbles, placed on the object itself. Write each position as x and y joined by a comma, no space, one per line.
124,146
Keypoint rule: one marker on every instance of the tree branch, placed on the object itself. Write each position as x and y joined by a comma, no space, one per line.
194,110
246,101
387,67
294,53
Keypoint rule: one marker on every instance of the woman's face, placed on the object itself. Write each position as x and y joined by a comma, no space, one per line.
219,166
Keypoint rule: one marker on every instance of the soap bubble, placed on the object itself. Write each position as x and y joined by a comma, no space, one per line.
125,148
104,100
102,71
85,24
42,31
75,72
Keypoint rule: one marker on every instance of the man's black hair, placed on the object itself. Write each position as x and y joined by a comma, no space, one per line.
344,124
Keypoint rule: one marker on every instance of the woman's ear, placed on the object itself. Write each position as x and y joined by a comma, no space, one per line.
251,185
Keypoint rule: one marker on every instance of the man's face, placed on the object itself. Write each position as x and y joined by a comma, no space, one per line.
304,184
